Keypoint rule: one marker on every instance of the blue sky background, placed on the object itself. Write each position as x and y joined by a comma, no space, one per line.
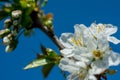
67,13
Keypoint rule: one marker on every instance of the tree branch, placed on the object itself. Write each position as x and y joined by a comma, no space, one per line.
38,24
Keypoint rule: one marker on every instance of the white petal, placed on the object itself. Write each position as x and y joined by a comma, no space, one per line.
114,59
73,76
79,29
68,65
67,52
99,66
80,64
91,77
85,57
93,29
113,40
65,39
91,44
102,43
110,29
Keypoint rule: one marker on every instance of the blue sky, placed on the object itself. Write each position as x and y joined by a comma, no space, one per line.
67,13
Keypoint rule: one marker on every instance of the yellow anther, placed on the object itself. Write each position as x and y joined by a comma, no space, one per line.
100,28
77,42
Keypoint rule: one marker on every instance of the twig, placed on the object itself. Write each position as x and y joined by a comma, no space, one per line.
38,24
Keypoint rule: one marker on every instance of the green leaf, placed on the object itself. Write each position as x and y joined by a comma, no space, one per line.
46,69
38,62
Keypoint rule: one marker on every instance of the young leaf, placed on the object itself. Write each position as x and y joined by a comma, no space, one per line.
37,63
46,69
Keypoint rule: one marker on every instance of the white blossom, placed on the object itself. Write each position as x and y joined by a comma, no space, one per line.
78,69
89,46
107,30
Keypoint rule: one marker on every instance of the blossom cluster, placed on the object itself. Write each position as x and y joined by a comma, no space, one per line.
11,29
87,51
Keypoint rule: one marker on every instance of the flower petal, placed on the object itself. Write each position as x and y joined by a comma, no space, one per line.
110,29
73,76
99,66
113,39
65,39
114,59
68,65
67,52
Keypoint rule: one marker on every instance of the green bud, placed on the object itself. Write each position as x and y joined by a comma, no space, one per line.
4,32
7,23
48,22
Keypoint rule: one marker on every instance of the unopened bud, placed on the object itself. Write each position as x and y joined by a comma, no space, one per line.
7,23
8,39
16,14
11,46
4,32
8,48
15,22
48,22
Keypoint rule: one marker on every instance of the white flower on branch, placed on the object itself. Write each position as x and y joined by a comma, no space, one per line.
88,46
78,69
106,30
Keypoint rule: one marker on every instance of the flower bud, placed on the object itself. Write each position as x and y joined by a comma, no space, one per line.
11,46
7,23
6,40
8,48
16,14
15,22
4,32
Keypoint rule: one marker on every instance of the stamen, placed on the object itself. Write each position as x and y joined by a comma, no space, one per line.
77,42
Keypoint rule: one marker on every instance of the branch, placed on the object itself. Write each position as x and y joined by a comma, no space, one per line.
38,24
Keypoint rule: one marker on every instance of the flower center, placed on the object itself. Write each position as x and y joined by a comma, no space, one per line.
97,54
